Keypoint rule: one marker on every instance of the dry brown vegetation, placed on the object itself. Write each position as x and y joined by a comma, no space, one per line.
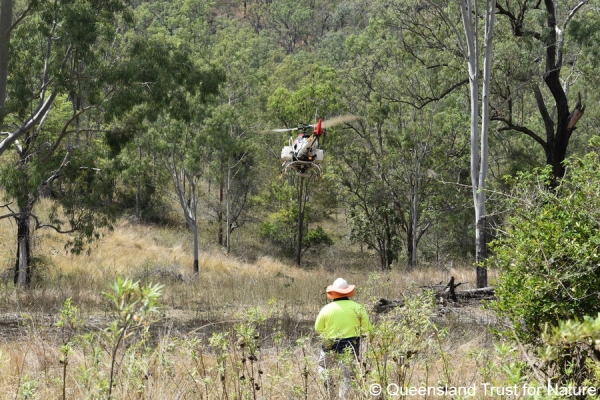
232,296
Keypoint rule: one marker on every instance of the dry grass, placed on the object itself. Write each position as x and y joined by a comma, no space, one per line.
196,306
150,253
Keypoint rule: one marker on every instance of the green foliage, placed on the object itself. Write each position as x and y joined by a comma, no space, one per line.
281,229
69,323
585,32
378,229
174,78
73,176
401,340
316,238
307,89
579,338
70,32
27,388
135,307
549,252
568,356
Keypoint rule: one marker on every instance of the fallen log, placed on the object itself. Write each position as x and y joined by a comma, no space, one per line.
443,294
448,292
445,291
384,305
477,293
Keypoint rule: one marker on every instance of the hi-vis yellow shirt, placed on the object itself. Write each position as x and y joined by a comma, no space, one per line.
342,319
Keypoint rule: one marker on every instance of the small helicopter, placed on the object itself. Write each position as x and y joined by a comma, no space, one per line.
303,154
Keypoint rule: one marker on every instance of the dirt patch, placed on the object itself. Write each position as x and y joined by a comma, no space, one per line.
15,326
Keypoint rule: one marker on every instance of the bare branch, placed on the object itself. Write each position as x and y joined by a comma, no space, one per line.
20,18
13,214
518,128
64,132
38,115
572,13
38,225
427,100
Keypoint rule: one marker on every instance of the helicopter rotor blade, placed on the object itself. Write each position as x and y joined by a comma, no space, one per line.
284,129
338,120
324,124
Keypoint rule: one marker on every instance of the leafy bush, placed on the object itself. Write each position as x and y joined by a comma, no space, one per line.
281,229
549,254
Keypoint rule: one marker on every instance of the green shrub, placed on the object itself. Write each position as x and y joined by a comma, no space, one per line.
548,255
282,230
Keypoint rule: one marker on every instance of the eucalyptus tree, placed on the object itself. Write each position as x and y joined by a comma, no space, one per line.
539,30
232,134
292,24
86,54
547,72
479,130
60,37
307,90
76,181
392,173
387,165
165,47
422,21
175,143
51,78
168,49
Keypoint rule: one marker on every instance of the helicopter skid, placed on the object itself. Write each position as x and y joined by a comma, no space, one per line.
303,168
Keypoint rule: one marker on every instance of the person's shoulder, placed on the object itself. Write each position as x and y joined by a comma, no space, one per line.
352,303
328,306
356,305
355,302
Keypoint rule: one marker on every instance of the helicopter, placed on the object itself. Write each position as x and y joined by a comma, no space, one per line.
302,154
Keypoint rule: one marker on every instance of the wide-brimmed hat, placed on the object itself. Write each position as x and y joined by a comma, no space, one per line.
340,286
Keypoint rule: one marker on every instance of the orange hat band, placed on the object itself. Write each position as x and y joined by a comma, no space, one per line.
336,295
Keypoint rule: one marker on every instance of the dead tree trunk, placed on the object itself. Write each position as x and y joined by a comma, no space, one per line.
22,275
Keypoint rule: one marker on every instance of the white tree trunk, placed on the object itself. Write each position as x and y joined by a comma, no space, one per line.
188,199
228,231
479,139
5,24
22,276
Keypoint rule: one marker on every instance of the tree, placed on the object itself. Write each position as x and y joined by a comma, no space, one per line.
473,54
281,227
165,50
231,170
302,25
312,92
77,182
172,140
548,35
390,161
51,78
479,136
231,141
108,69
66,40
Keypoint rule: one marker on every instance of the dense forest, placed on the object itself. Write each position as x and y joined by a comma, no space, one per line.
119,109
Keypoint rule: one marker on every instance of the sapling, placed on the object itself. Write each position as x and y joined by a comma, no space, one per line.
135,307
69,322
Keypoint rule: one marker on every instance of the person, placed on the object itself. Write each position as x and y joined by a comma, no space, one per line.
340,323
